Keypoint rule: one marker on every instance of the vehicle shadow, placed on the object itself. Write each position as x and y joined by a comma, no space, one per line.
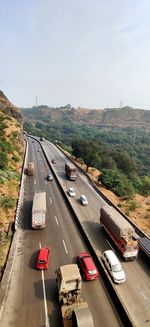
25,219
54,313
33,259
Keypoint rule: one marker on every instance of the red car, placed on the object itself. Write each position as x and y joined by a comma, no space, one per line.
43,258
87,266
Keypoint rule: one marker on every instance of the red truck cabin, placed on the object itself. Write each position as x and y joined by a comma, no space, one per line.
43,258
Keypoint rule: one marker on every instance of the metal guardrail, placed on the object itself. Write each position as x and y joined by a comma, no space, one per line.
21,191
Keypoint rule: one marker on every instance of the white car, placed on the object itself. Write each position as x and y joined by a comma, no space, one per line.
49,177
114,266
83,200
71,191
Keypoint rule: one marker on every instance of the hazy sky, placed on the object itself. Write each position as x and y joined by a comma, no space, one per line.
89,53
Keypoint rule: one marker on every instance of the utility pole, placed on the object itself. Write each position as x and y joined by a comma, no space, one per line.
121,104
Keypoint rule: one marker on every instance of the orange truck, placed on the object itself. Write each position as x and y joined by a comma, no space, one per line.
71,171
31,169
120,231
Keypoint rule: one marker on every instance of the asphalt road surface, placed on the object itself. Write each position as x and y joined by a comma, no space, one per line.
31,296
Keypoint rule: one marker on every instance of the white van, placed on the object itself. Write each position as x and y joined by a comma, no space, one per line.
114,266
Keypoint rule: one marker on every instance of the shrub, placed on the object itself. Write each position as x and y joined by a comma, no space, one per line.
7,202
3,160
15,158
133,205
120,205
14,134
117,182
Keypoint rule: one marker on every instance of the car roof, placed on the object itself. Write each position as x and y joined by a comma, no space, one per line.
112,257
88,260
89,263
43,252
83,196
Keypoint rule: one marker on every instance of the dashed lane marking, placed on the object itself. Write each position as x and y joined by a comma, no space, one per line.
65,247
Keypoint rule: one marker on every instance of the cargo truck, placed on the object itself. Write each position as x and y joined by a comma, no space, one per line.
120,230
71,171
39,210
144,245
30,168
74,310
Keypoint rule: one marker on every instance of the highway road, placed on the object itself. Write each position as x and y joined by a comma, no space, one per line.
135,293
31,297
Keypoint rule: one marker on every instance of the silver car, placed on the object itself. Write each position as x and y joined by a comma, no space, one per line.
49,177
71,191
83,200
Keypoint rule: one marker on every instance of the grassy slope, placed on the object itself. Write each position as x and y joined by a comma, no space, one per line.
10,180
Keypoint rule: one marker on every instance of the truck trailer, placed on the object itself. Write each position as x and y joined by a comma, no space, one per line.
120,231
30,168
71,171
39,210
75,312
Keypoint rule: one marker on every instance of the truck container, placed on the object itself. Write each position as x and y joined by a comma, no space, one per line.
74,310
39,210
144,245
71,171
30,168
120,230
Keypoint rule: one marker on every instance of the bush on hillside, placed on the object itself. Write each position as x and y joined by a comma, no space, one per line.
117,182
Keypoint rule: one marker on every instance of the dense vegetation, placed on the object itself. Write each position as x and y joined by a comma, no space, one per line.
122,155
10,154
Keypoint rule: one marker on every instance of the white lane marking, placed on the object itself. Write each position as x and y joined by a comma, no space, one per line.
50,200
142,293
145,298
34,182
47,324
56,220
65,247
45,182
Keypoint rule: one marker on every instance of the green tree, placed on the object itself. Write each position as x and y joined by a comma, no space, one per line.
116,182
89,151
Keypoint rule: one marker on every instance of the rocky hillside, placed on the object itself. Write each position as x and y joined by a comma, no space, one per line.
7,107
106,118
11,158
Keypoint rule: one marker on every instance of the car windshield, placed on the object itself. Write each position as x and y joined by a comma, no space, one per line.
117,268
92,272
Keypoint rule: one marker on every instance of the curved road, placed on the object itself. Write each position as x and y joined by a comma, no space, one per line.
31,297
135,292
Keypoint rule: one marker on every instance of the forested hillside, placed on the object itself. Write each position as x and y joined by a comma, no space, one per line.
106,118
11,158
119,147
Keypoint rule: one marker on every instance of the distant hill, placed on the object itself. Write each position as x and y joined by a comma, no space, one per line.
100,118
